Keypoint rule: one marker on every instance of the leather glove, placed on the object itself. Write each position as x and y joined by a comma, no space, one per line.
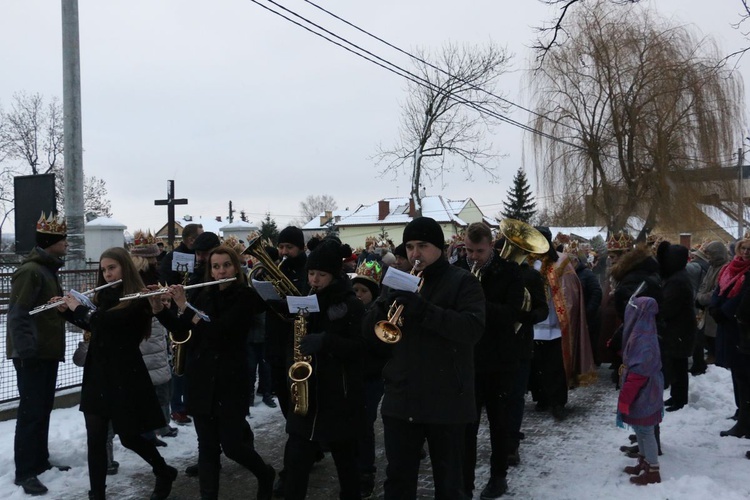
414,304
311,343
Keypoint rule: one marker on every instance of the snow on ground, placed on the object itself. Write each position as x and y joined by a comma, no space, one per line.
576,459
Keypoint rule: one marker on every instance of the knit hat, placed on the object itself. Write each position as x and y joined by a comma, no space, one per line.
206,241
400,251
424,229
328,257
292,235
50,230
144,245
369,274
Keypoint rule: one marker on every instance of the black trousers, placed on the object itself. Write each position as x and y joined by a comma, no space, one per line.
279,382
97,428
366,441
493,392
403,444
741,375
518,401
677,371
549,385
299,457
233,435
36,386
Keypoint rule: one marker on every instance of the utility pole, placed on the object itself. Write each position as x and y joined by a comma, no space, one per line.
72,140
231,212
740,194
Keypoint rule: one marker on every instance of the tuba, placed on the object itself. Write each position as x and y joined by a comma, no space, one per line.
521,239
389,330
268,267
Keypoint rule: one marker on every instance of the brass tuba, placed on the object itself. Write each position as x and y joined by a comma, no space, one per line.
521,239
283,285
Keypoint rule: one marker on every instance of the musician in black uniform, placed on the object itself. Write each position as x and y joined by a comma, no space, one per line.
496,355
429,379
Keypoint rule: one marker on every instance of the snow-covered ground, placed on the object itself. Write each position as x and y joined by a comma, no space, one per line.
576,459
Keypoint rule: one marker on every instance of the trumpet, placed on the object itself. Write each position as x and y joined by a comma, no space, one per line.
52,305
163,290
389,330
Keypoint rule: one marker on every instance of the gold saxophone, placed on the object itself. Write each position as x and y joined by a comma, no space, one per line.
301,369
179,353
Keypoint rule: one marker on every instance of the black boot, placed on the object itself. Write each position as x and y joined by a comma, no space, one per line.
164,479
633,438
98,495
736,431
278,486
32,486
496,487
265,484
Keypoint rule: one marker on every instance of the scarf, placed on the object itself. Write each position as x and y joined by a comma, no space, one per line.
732,276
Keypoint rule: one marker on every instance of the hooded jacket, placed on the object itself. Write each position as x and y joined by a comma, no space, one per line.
717,255
631,270
42,335
677,312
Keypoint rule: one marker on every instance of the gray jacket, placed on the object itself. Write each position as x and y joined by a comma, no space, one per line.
155,354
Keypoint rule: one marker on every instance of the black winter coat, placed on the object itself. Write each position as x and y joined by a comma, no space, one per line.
502,284
534,283
676,310
636,266
335,388
218,375
116,383
430,375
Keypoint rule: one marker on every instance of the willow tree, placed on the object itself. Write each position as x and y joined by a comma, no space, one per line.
634,111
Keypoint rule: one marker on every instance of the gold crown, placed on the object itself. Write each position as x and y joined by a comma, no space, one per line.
619,242
142,239
51,225
371,270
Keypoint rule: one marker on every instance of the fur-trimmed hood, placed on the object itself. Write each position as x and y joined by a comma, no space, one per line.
637,257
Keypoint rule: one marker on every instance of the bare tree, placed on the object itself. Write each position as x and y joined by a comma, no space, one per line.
447,111
314,205
631,107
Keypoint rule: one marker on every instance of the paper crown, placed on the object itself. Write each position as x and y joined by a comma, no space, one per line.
371,270
233,242
144,244
619,242
51,225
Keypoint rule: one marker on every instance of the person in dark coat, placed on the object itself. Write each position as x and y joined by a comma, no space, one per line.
741,371
496,355
335,406
429,379
723,309
717,255
698,269
36,346
592,297
218,375
189,234
677,315
116,385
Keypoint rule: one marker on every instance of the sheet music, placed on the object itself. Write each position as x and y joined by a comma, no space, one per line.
183,262
308,303
82,299
399,280
266,290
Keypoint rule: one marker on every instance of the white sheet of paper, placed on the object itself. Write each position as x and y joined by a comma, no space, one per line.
266,290
183,262
308,302
82,299
399,280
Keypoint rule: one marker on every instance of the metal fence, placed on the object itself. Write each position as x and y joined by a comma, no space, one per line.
69,375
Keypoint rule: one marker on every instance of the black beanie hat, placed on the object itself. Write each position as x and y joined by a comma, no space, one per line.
206,241
400,251
46,240
371,285
293,235
328,257
424,229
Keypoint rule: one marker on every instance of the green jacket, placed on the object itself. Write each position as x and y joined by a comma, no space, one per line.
42,335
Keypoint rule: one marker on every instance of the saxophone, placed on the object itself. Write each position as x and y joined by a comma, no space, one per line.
301,369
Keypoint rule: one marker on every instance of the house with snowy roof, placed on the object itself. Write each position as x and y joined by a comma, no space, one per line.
391,215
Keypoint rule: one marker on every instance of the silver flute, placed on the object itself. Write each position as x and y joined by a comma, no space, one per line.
162,291
52,305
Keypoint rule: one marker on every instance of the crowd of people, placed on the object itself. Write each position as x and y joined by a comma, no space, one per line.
495,315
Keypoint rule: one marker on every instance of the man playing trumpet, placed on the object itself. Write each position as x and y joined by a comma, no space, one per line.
429,380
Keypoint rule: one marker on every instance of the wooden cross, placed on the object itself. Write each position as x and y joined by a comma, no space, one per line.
170,202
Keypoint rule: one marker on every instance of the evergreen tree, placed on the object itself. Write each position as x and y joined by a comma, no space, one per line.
520,204
269,230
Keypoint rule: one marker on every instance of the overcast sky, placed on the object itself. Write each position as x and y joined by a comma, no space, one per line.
235,103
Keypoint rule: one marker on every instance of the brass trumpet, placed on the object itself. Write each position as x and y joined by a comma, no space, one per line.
389,330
